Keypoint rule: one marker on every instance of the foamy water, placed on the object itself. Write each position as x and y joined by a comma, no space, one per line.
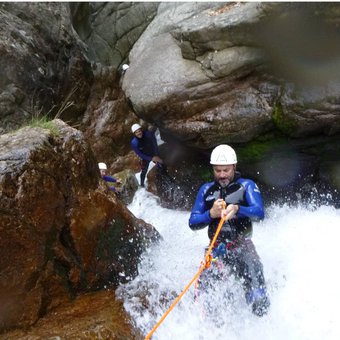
299,248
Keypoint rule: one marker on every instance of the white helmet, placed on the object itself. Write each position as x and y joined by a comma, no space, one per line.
125,67
135,127
223,155
102,166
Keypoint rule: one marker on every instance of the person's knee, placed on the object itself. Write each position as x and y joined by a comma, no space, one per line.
259,300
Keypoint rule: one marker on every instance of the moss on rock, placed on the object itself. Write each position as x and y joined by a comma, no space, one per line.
283,123
257,149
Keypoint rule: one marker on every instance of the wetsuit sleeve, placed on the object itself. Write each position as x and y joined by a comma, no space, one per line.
200,215
255,209
109,179
134,146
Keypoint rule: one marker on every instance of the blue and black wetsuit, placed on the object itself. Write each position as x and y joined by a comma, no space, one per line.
239,251
146,148
243,192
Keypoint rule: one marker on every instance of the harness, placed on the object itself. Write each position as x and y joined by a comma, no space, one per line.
236,227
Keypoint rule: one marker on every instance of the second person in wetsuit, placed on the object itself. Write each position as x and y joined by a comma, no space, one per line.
144,144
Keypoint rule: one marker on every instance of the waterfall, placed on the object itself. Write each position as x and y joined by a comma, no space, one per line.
298,247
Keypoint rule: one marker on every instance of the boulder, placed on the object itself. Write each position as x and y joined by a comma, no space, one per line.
128,187
210,73
62,230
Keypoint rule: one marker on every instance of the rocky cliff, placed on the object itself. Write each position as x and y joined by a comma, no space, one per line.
263,77
62,231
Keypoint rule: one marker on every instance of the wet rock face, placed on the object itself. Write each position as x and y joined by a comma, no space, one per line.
108,118
62,230
212,73
42,64
110,29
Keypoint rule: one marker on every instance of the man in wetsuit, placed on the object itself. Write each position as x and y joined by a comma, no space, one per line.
242,200
144,144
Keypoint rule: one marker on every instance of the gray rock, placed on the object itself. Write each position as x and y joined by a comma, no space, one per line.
43,67
111,29
213,73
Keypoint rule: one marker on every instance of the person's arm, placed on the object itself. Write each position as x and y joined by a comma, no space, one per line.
134,146
255,209
200,215
109,179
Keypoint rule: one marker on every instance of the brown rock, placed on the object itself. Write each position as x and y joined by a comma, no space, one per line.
90,316
62,231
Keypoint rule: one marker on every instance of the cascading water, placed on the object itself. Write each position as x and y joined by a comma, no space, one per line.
299,250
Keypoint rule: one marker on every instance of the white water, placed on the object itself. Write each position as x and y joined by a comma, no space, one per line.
300,251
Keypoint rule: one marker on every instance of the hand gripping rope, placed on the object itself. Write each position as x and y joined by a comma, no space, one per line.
204,264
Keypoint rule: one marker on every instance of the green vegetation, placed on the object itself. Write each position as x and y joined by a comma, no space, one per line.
44,122
263,145
253,151
283,123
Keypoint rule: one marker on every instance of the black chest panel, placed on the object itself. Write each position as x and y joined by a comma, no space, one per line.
234,193
146,145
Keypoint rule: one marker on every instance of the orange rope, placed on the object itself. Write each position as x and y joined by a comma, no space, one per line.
205,264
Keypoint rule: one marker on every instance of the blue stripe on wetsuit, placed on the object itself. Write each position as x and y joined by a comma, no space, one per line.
200,216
